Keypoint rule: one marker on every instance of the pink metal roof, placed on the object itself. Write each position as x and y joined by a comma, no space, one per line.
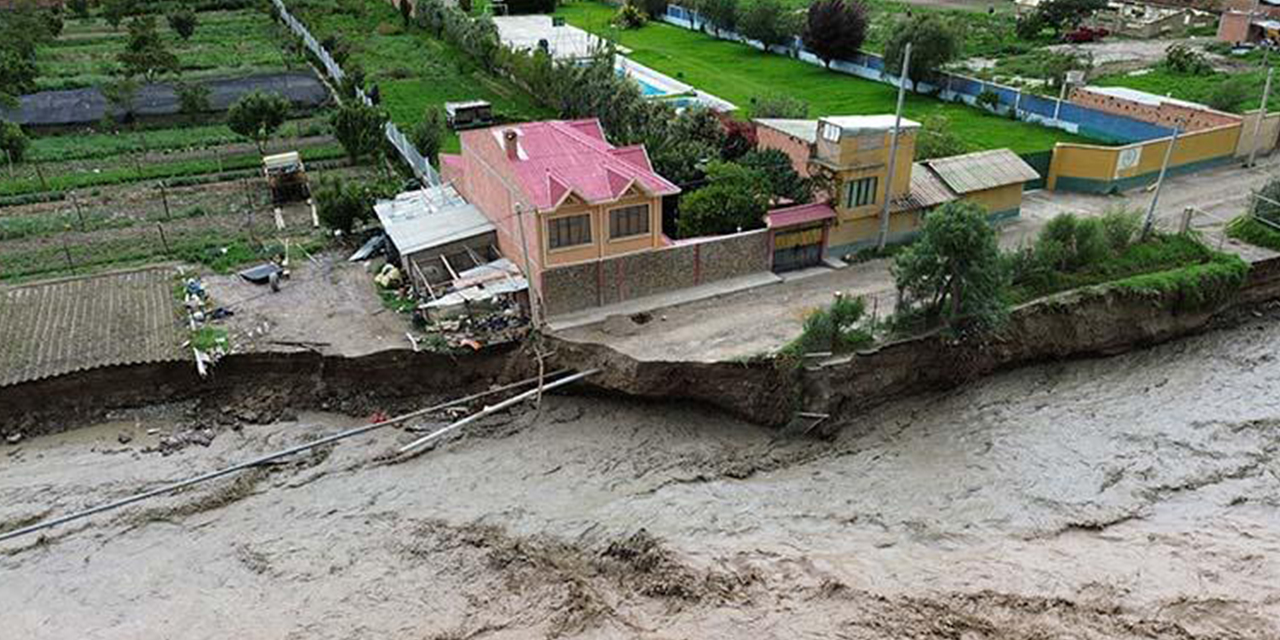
558,158
799,214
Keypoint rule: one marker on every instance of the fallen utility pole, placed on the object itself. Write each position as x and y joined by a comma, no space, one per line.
893,148
169,488
496,408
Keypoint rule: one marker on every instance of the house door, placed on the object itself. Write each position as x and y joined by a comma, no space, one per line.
797,248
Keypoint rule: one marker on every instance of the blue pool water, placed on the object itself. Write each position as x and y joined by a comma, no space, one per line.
648,89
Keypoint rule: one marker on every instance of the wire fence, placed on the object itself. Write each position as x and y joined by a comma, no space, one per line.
421,168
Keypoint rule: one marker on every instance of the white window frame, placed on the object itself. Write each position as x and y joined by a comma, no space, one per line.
830,132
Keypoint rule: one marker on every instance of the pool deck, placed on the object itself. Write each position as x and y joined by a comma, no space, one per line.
567,42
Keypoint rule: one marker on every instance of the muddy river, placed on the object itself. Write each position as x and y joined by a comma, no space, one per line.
1129,497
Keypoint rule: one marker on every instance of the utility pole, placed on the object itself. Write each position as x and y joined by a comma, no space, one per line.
893,146
534,308
1262,114
1164,167
1062,95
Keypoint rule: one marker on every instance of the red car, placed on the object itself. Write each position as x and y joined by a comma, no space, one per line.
1086,34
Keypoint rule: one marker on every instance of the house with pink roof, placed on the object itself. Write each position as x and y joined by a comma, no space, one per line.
560,191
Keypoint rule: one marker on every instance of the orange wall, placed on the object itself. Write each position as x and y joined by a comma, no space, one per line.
601,245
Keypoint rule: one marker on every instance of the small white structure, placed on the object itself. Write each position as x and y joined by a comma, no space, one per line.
434,234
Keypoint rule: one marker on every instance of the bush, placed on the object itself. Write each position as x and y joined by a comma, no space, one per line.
629,16
340,205
1120,227
428,135
79,8
192,98
1179,58
937,140
13,140
780,176
1265,199
834,329
655,8
779,106
989,99
735,200
183,22
1229,95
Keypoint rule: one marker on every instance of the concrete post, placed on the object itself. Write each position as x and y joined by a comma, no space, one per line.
1262,114
893,147
1150,222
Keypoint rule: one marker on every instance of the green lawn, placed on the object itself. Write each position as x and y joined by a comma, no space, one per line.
412,69
1192,87
225,44
739,73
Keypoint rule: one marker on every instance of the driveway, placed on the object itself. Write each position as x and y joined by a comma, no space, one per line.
761,320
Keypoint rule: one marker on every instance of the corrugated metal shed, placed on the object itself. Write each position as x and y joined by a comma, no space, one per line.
982,170
429,218
927,190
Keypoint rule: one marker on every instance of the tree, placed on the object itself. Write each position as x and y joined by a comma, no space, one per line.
722,14
1064,15
184,23
79,8
406,11
121,94
192,98
630,16
835,29
358,127
13,140
17,75
257,116
781,179
428,135
933,44
765,21
115,11
954,272
779,106
937,140
655,8
735,200
340,205
146,54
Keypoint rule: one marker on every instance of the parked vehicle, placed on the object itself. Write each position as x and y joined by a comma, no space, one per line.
1086,34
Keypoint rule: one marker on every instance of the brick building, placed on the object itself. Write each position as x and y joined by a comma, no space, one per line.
560,192
1149,107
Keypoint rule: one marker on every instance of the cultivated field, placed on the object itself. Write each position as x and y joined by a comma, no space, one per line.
411,69
64,326
225,44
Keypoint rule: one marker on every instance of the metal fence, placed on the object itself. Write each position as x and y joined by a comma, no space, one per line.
421,168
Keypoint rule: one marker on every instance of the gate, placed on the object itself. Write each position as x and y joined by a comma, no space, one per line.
797,249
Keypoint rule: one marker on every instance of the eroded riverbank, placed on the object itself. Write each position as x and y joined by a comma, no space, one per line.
1126,497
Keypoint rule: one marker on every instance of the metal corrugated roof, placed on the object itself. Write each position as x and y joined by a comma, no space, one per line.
982,170
428,218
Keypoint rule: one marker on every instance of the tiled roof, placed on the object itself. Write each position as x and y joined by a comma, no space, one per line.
799,214
558,158
982,170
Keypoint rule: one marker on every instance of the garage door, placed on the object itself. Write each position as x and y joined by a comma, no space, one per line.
797,248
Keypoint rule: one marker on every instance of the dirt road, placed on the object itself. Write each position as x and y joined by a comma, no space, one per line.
1131,497
764,319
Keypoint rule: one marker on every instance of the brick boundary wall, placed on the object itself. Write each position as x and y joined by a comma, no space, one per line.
1165,114
612,280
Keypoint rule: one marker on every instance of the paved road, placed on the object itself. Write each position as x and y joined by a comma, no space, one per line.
761,320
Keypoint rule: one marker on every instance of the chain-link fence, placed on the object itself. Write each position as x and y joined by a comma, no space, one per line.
421,168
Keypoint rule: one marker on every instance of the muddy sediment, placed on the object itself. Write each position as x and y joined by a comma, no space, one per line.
1125,497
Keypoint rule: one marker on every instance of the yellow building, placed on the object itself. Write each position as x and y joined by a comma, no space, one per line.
852,155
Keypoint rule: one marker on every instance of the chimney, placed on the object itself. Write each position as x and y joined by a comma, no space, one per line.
511,140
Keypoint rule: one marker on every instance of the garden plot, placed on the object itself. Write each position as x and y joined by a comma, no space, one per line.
82,323
225,44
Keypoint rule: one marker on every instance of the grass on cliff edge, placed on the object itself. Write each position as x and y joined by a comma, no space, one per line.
1161,265
1247,229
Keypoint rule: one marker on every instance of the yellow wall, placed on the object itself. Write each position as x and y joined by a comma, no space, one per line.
1000,199
867,228
1100,164
850,163
601,245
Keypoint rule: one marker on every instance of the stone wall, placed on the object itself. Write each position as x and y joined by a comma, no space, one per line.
1164,113
636,275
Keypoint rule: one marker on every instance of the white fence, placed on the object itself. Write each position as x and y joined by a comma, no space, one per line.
421,168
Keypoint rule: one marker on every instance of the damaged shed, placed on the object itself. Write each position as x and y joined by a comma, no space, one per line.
434,235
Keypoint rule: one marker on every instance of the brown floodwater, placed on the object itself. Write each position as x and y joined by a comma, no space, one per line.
1127,497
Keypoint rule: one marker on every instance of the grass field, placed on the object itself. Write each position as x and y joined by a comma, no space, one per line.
411,68
739,73
1194,88
226,43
